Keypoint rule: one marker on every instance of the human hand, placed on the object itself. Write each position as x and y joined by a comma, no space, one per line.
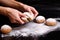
20,6
15,16
30,9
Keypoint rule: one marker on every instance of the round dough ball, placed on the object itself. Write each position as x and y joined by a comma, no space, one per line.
51,22
6,29
30,17
40,19
24,19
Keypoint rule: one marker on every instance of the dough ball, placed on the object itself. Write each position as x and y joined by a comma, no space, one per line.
51,22
24,19
6,29
40,19
30,17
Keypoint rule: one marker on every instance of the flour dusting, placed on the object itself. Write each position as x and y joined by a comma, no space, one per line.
33,29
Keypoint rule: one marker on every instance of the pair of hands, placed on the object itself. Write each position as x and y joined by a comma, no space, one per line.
15,13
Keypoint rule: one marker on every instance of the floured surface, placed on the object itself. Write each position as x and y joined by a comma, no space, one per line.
32,29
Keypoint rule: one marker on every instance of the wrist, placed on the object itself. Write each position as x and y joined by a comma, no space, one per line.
3,11
19,6
0,1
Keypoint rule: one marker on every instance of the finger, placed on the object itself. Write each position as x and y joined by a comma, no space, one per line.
13,0
20,21
22,15
34,11
29,10
13,21
31,13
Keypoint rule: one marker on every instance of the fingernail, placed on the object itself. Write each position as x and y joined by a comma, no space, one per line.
22,22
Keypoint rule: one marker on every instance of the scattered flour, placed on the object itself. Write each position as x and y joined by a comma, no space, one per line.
33,29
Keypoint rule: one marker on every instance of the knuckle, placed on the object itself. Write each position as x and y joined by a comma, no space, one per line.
12,22
33,7
37,13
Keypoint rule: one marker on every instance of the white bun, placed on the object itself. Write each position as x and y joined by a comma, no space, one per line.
6,29
50,22
40,19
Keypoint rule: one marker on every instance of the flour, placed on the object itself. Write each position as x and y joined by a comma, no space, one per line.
33,29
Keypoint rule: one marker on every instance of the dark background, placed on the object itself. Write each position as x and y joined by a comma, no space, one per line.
47,8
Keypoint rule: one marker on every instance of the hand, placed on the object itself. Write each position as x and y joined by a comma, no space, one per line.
20,6
14,16
30,9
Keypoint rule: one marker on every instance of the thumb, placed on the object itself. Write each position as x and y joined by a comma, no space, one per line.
22,15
